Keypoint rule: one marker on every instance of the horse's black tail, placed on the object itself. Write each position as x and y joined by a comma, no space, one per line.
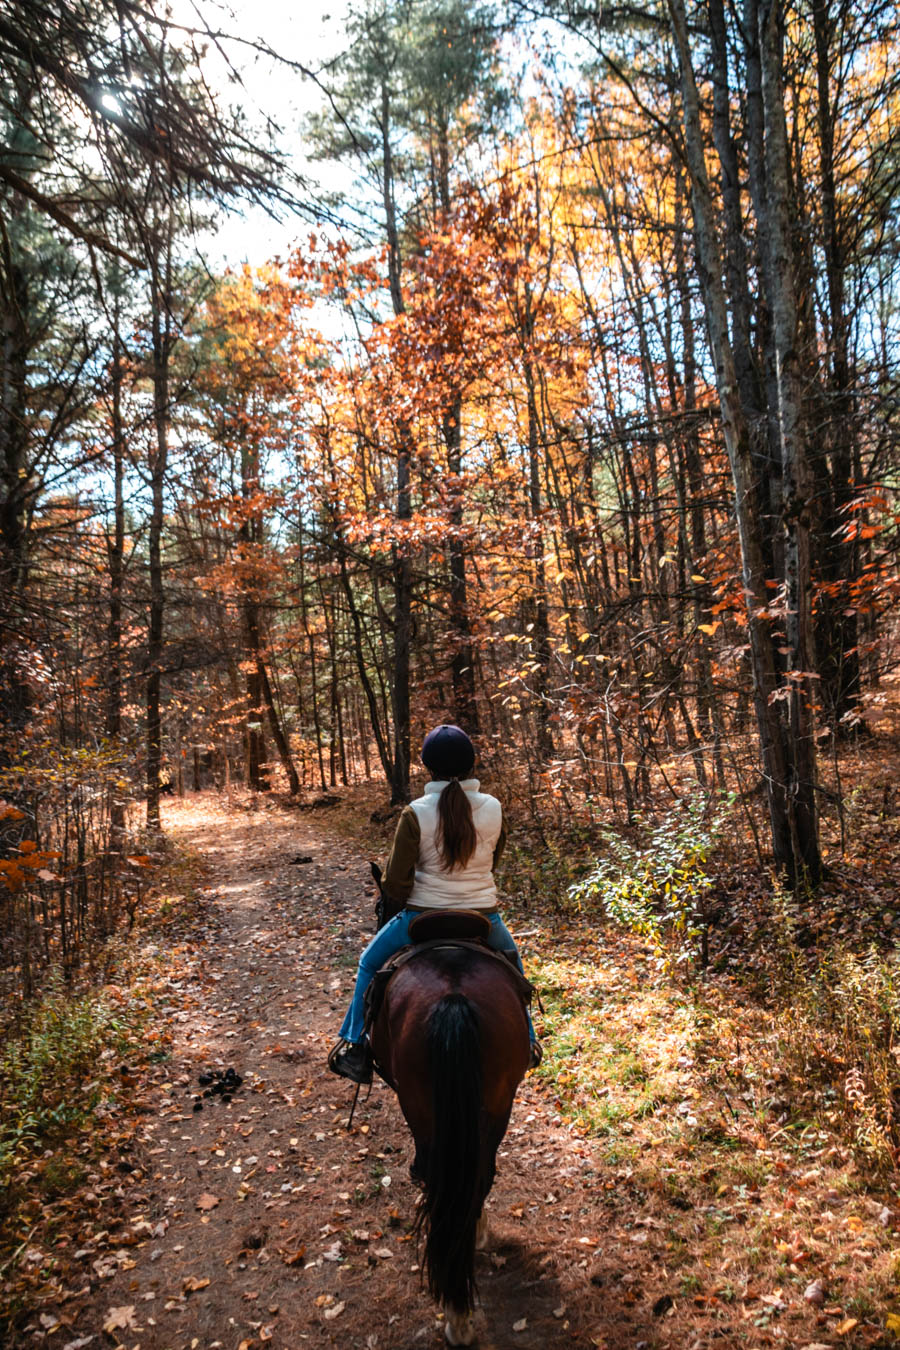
453,1169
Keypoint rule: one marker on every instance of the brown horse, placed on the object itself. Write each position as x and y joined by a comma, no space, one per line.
452,1038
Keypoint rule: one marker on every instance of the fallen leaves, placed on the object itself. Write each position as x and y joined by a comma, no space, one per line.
794,1192
120,1319
330,1309
815,1293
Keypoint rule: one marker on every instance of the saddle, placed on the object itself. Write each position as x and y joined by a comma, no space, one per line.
436,930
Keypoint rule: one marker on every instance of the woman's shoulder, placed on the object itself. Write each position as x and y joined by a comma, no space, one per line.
484,801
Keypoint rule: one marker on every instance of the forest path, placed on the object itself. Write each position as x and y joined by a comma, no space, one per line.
262,1220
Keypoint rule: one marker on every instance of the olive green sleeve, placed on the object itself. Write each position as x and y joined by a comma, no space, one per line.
400,872
499,846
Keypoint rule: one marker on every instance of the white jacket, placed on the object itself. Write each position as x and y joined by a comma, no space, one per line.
414,871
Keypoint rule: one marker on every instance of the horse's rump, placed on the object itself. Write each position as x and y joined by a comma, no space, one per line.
494,992
452,1036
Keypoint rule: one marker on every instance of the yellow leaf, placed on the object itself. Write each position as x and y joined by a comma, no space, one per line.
695,576
893,1324
843,1328
709,628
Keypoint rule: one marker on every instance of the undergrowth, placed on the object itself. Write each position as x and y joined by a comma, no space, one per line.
828,1011
658,885
59,1068
837,1025
55,1070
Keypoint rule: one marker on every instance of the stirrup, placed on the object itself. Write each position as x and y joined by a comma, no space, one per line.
353,1061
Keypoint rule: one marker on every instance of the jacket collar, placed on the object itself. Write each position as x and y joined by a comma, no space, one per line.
438,785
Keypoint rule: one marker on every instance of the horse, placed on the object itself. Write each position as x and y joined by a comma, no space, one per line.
451,1038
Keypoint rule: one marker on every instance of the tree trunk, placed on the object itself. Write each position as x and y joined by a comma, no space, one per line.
161,330
278,736
14,346
402,630
797,490
837,625
462,665
794,847
399,778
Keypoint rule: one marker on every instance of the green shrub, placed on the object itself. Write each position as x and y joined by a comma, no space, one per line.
51,1071
659,886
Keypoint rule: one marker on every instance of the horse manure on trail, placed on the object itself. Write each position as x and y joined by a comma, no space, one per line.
217,1083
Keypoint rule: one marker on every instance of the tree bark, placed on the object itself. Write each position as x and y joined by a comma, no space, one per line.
794,844
797,490
161,335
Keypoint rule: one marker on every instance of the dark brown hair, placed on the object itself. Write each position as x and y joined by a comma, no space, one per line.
456,837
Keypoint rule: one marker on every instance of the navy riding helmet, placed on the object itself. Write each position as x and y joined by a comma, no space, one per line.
448,753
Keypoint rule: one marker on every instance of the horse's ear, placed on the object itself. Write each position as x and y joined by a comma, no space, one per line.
377,873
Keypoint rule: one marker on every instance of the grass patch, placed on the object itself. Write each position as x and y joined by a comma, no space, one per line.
607,1069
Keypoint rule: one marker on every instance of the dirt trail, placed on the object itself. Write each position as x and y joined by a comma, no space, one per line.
261,1221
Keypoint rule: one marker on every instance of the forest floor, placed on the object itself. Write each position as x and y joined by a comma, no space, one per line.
675,1213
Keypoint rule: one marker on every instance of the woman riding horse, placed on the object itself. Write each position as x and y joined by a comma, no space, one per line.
445,849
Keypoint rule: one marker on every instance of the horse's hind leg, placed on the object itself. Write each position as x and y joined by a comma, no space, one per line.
459,1328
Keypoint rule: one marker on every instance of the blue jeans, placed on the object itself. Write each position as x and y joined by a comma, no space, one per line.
390,939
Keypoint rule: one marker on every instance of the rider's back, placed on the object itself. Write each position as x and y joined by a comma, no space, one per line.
472,885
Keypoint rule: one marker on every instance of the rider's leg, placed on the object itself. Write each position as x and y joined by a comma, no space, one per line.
502,940
386,941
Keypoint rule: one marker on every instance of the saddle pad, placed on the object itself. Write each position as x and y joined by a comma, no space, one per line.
449,925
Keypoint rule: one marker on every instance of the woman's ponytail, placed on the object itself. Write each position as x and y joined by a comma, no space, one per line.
456,837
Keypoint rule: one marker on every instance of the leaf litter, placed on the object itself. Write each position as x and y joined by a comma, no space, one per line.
742,1223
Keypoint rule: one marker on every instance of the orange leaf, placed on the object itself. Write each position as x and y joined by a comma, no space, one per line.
192,1283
